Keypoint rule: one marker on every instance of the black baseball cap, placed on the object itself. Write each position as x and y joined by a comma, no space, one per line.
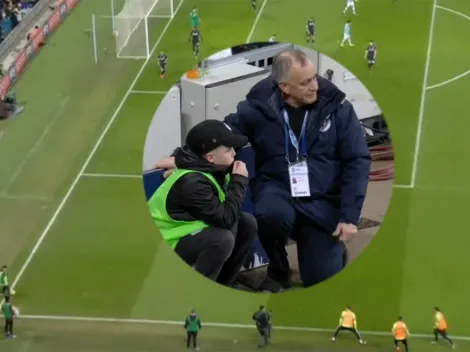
210,134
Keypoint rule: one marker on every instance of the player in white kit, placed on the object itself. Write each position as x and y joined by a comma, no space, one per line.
350,5
347,34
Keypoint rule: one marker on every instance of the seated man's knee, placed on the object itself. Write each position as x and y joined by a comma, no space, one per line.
248,225
275,215
222,243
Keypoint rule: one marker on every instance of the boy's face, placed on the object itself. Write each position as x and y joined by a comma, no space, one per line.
222,156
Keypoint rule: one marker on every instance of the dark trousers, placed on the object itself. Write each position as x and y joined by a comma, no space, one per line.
320,254
191,335
264,335
219,254
403,342
6,290
443,334
352,330
9,326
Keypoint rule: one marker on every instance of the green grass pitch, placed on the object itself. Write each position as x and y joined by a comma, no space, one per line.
75,226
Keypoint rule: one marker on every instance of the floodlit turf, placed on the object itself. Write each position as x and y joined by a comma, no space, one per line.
102,257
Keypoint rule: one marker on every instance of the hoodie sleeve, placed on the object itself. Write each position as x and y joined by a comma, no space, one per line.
355,157
199,198
239,121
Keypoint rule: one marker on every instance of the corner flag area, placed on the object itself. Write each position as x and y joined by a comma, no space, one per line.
92,274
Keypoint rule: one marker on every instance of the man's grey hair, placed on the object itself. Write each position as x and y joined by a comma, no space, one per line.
283,62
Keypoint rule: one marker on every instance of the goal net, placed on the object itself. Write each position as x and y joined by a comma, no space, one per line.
131,25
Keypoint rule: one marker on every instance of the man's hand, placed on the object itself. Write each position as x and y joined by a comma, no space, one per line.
167,173
345,232
165,163
239,168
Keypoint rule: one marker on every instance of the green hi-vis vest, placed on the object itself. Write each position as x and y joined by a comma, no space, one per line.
3,279
193,323
7,310
173,230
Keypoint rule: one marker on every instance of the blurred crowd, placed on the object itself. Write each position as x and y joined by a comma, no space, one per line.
12,13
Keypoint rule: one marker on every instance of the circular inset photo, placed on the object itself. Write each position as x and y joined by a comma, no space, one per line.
268,167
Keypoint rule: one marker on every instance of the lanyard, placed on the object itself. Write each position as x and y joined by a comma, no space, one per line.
289,134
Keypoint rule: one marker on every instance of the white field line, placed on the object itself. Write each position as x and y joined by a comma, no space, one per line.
462,75
156,92
402,186
214,325
419,130
25,197
88,174
453,79
90,156
258,16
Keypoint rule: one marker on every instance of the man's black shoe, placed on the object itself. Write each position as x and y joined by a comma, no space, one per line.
274,286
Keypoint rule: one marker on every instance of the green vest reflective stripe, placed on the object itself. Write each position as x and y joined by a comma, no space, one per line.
173,230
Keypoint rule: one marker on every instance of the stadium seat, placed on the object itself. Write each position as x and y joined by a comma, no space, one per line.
153,179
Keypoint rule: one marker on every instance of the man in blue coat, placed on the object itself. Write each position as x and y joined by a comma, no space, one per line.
311,168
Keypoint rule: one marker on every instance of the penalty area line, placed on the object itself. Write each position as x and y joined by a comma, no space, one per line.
403,186
87,174
157,92
213,325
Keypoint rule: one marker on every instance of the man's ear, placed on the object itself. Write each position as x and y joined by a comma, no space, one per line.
284,87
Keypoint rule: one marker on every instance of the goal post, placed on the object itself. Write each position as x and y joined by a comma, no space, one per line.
130,31
131,25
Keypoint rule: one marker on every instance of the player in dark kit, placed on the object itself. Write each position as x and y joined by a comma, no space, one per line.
253,5
262,320
371,54
195,38
311,31
162,62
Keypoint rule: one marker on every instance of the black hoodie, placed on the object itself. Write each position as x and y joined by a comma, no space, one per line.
194,196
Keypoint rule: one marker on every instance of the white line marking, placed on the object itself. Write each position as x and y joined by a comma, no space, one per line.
148,92
258,16
36,145
1,134
86,174
90,156
462,74
168,17
419,130
402,186
437,85
24,197
454,12
214,325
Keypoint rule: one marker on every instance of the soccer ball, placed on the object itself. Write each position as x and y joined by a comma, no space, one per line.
12,292
115,33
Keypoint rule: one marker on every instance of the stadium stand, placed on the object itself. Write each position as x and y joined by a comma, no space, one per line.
12,13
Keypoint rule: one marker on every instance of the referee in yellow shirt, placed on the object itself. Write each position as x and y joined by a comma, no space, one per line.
348,322
440,327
